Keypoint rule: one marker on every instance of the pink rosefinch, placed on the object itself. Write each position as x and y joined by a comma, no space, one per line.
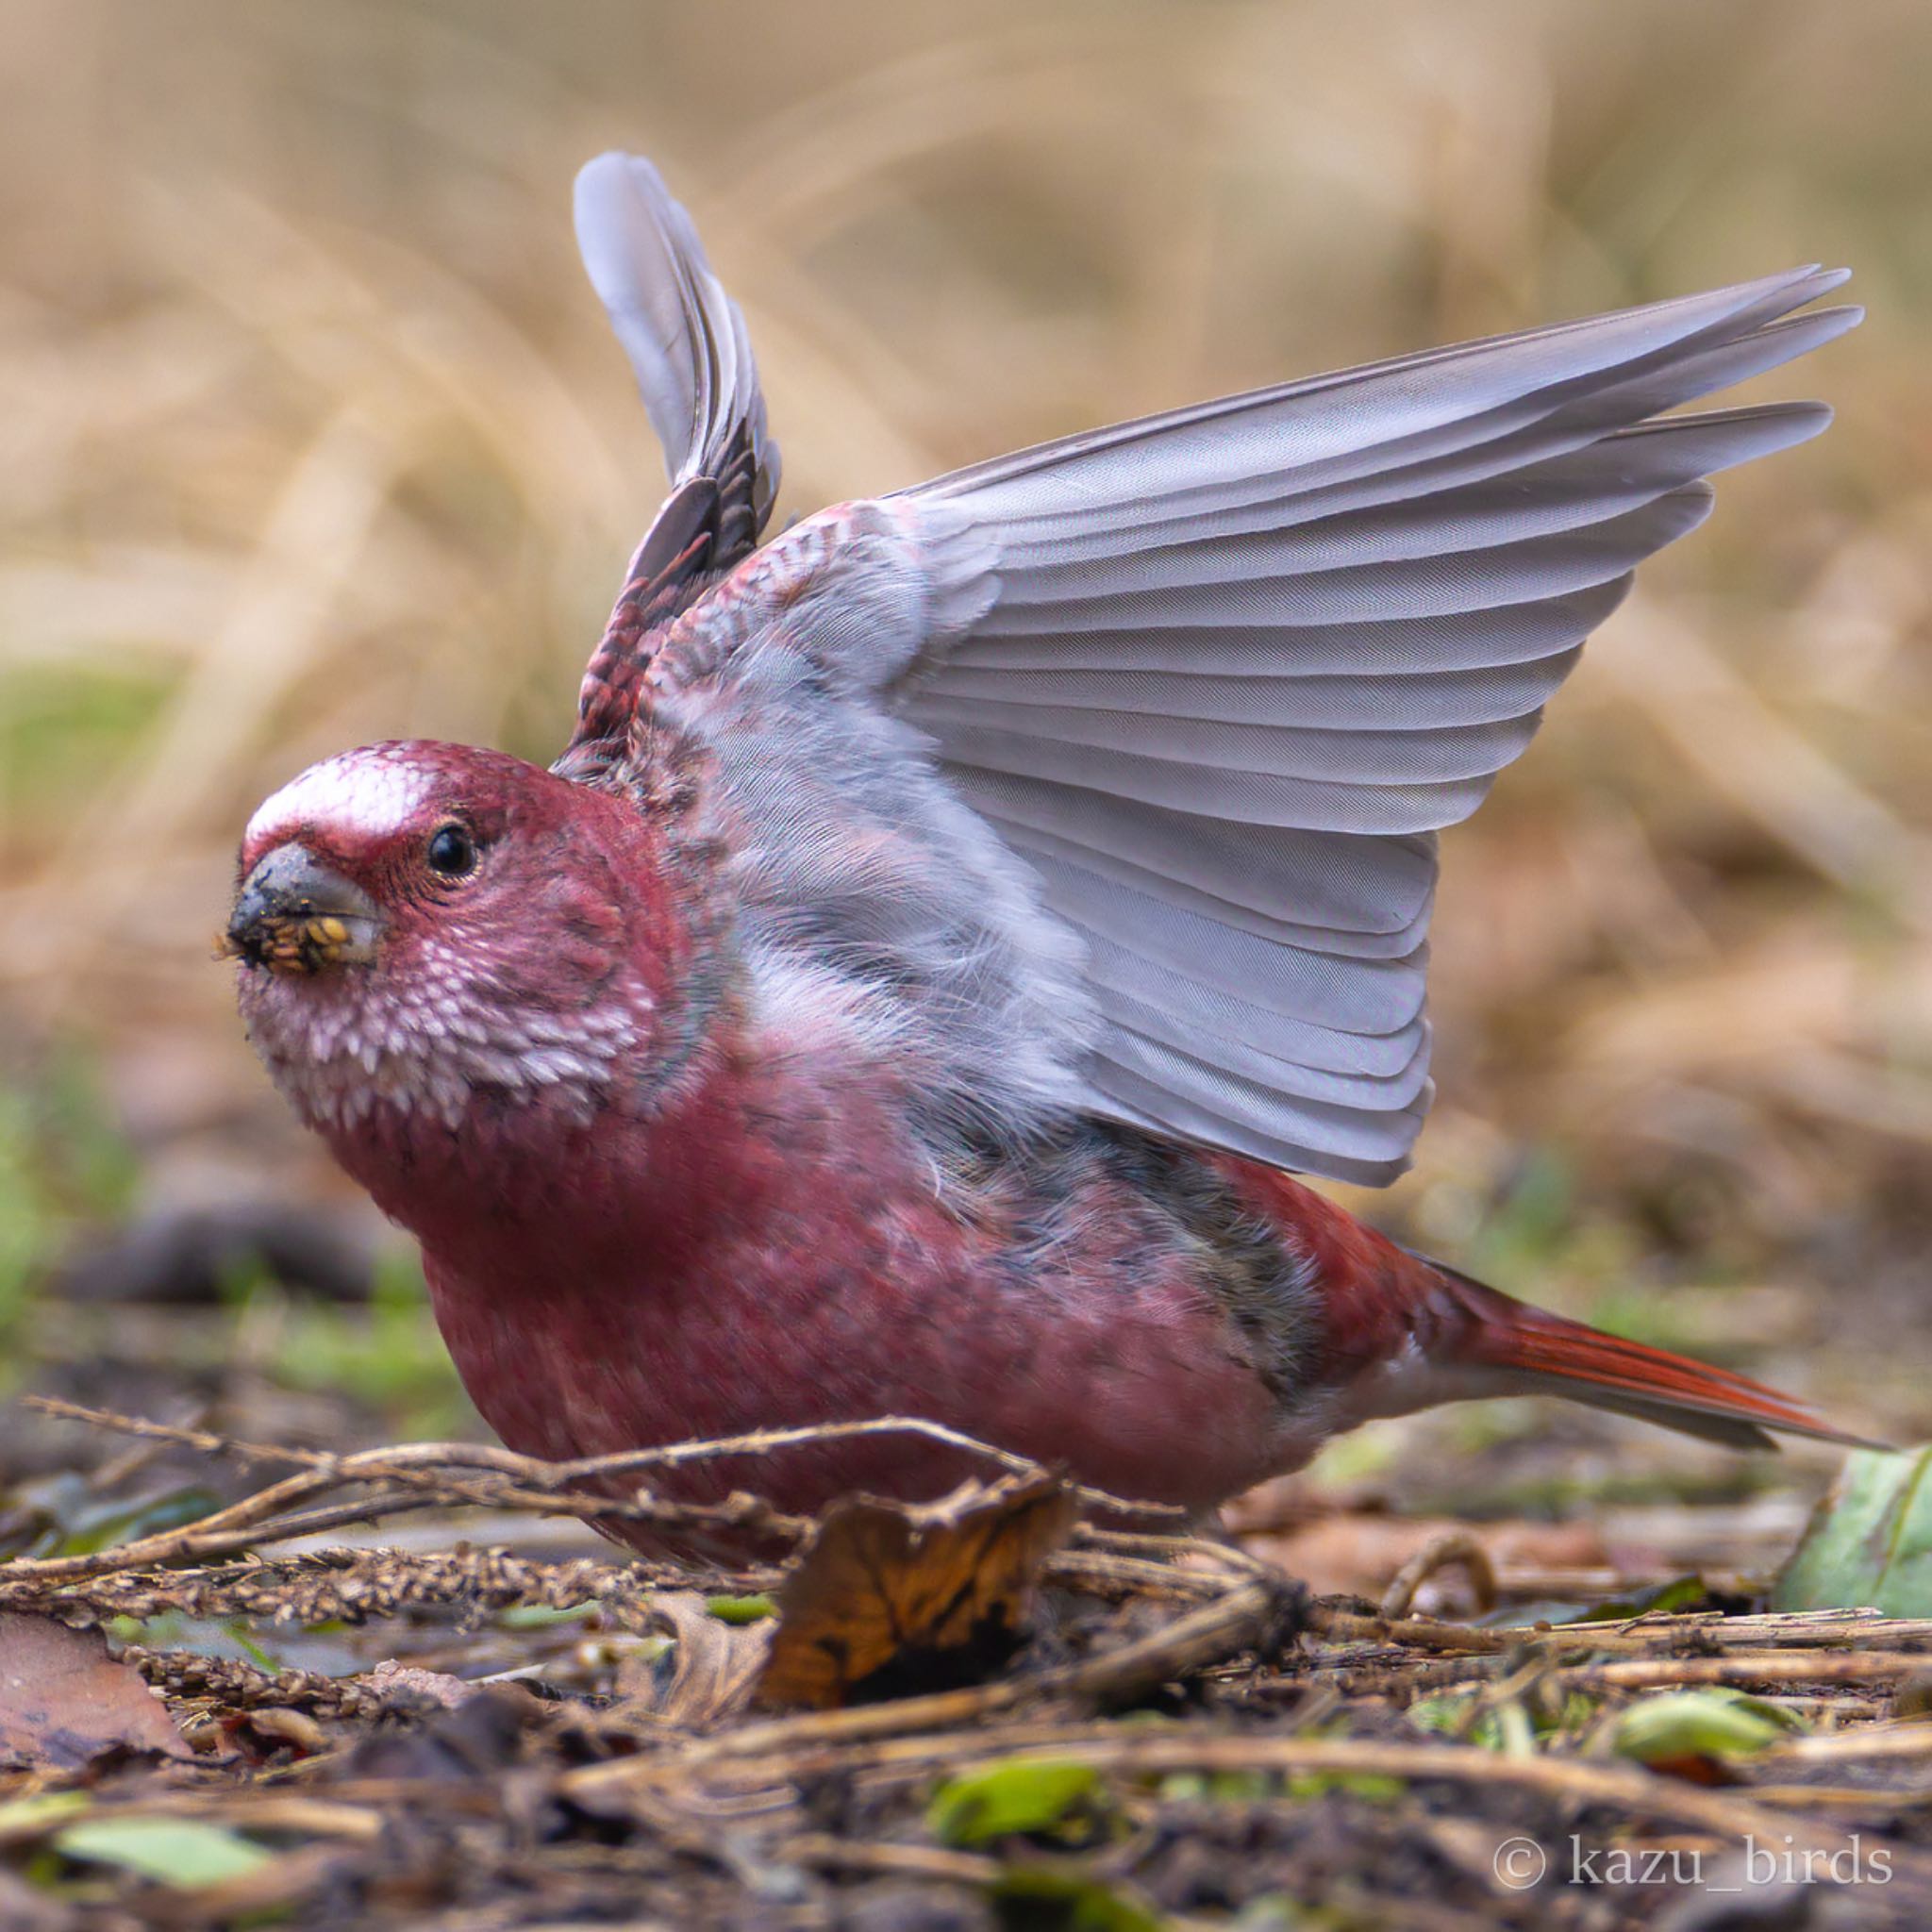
948,920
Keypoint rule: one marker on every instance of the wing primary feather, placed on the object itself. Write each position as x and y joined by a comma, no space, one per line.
1202,669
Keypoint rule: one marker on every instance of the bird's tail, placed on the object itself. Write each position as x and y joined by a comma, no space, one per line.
1402,1333
1510,1348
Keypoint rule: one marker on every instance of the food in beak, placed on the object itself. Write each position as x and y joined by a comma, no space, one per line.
295,915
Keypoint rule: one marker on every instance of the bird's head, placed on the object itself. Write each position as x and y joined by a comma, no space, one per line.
424,930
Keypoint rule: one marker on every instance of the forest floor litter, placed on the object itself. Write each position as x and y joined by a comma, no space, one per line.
990,1712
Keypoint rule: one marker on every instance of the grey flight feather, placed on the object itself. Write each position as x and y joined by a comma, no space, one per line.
686,340
1216,677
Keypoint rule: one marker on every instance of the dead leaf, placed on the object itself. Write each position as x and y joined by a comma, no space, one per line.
426,1690
64,1701
481,1736
1354,1554
712,1666
890,1599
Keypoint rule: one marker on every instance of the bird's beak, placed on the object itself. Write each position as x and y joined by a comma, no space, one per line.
294,915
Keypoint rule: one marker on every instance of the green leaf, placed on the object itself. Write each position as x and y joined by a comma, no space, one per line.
1029,1794
28,1816
103,1524
1663,1599
740,1609
1869,1543
542,1616
1067,1902
1219,1787
1274,1911
1711,1722
238,1635
1373,1785
1444,1715
176,1851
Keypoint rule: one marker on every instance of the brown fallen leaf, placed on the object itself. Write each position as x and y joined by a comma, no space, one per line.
64,1701
713,1666
891,1599
426,1690
1359,1555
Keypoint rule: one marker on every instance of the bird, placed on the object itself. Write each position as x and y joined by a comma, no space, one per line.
957,920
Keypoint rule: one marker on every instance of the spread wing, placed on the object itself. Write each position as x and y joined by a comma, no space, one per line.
1220,675
1217,676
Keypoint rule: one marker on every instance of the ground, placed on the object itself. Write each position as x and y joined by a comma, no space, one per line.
1441,1680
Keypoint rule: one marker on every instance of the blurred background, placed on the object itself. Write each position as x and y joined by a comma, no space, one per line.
313,434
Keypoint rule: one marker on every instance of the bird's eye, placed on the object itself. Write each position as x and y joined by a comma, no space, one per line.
452,852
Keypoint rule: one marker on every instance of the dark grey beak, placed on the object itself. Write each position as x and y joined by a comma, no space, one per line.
294,915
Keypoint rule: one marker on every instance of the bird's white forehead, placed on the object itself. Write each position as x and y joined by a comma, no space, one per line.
358,791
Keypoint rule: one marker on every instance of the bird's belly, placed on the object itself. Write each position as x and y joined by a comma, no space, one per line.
1140,1385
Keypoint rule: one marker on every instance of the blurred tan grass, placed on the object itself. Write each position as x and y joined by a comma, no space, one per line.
312,435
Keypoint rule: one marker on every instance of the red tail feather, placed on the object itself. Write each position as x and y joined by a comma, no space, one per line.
1535,1351
1404,1332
